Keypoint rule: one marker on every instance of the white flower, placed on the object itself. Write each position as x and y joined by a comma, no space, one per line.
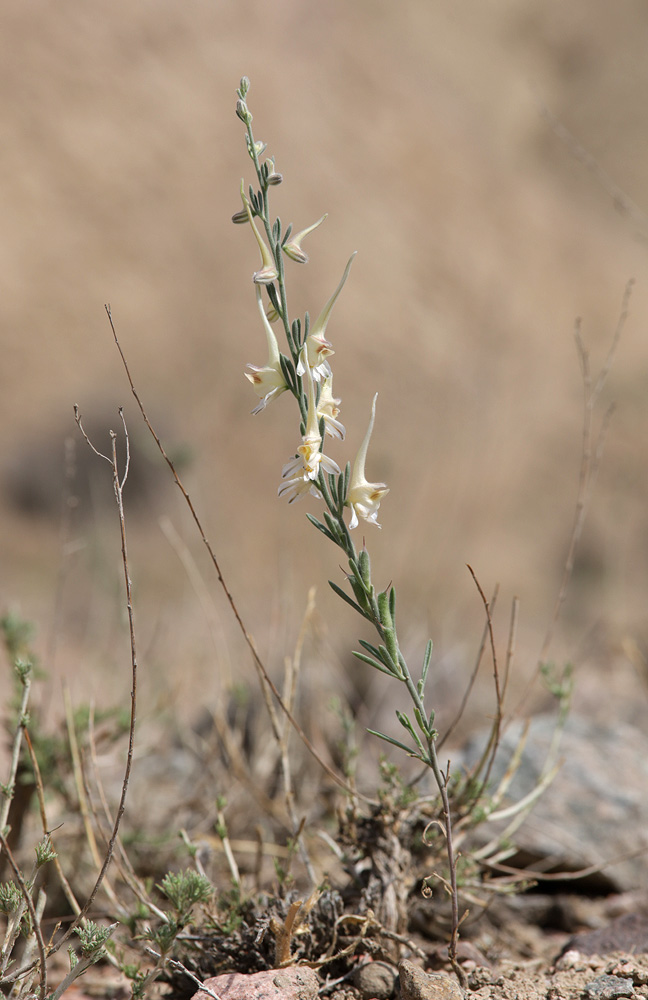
328,407
302,471
364,497
268,272
317,346
293,247
268,381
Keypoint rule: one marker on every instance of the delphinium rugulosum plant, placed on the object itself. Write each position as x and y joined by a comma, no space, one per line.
346,495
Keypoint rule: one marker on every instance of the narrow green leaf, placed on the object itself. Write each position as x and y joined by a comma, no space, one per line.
345,597
320,527
426,662
370,649
286,236
361,596
392,604
371,662
396,743
389,661
421,721
407,724
288,372
295,336
332,526
355,569
341,492
274,298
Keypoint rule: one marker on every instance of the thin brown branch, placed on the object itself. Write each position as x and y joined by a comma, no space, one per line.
497,721
473,676
562,876
118,486
260,667
510,647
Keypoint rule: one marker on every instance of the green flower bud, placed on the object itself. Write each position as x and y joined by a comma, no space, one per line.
243,113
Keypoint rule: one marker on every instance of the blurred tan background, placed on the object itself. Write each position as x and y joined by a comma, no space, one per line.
416,125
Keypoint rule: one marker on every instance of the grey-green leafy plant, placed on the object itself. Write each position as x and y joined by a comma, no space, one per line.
305,372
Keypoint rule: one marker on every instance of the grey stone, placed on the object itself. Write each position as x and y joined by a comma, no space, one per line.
628,933
609,987
376,980
595,810
416,984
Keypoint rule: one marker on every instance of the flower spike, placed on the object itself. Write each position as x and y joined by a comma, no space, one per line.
268,272
319,348
268,381
364,497
293,247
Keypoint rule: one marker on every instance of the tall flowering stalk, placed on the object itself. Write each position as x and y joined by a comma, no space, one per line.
305,371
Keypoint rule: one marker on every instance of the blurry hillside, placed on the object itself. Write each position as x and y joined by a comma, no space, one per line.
481,238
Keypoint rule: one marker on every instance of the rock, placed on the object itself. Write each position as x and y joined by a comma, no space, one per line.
416,984
628,933
376,980
595,810
609,987
293,983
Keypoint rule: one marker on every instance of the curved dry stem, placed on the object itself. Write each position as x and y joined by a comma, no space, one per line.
259,665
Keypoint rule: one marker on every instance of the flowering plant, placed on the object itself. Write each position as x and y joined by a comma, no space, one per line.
305,372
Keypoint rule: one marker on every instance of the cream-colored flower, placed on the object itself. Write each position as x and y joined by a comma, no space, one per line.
268,381
302,471
293,247
328,407
268,272
364,497
318,347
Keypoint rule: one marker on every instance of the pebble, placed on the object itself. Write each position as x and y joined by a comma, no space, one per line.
609,988
416,984
293,983
376,980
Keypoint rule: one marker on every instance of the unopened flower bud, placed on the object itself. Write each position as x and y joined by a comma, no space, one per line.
272,177
240,217
364,565
244,86
243,113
